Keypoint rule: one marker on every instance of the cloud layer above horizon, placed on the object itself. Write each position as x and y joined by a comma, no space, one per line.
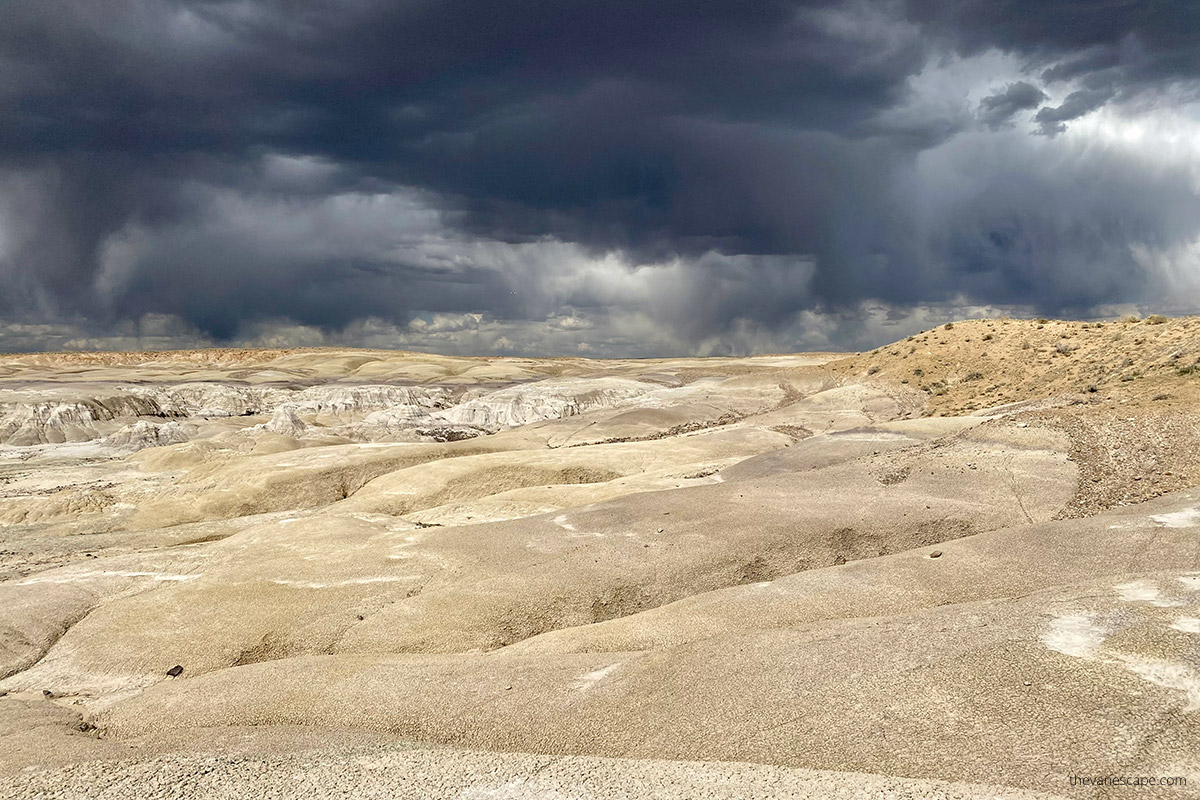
609,178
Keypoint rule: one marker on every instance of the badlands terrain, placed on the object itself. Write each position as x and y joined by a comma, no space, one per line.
966,564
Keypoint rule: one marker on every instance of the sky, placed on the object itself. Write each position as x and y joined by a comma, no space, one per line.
589,177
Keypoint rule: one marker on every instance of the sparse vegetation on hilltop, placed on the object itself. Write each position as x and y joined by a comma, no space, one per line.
976,364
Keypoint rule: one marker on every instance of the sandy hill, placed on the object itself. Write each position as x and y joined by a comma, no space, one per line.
969,365
1125,392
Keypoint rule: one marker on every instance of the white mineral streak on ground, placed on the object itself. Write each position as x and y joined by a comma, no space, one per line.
1073,635
589,679
76,577
1188,517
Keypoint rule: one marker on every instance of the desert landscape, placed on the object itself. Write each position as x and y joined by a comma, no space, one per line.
966,564
612,400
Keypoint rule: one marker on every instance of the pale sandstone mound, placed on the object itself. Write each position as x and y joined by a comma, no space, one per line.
143,434
551,399
52,422
286,422
296,586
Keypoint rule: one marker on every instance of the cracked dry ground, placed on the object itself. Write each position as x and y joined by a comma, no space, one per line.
963,565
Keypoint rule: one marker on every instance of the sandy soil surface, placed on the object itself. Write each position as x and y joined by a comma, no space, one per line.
963,565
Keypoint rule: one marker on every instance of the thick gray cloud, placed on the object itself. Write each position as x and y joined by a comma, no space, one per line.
1084,101
997,110
714,167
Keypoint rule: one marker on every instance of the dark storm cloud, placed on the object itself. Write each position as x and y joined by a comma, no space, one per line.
195,158
997,110
1115,48
1158,37
1052,120
1097,60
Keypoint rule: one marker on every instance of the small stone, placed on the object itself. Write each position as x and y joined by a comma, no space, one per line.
1028,683
660,530
175,671
936,554
360,617
47,693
